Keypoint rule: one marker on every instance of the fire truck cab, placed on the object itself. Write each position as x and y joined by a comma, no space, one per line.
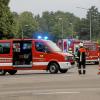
32,54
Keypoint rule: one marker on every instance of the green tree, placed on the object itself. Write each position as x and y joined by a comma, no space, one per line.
52,23
6,18
27,25
83,29
93,15
15,25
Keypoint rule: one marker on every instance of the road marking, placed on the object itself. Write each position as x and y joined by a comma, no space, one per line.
40,92
51,93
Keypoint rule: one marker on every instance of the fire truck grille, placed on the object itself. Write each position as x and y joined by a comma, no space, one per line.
69,58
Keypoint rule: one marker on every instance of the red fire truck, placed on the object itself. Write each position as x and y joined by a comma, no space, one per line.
99,54
32,54
65,44
92,48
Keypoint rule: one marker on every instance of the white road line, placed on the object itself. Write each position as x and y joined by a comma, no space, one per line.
39,92
16,76
51,93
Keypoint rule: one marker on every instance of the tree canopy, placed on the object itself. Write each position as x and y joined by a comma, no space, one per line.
58,24
6,18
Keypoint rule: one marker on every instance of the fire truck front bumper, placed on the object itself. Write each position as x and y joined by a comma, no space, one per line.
65,65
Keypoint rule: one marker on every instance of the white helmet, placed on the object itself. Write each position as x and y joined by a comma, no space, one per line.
70,48
81,44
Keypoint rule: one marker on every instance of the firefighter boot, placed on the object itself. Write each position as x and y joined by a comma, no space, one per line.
84,71
79,71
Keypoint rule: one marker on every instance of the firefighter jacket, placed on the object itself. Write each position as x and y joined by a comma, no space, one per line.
81,54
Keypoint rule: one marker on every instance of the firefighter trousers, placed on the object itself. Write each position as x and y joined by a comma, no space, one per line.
81,68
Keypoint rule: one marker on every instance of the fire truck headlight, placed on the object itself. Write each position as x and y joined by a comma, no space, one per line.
69,58
66,58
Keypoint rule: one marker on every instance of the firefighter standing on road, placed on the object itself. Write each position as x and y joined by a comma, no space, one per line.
81,59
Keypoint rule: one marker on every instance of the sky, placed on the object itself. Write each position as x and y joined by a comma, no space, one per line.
39,6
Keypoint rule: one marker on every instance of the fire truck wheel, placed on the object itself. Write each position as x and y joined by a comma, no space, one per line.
96,63
2,72
12,72
53,68
63,70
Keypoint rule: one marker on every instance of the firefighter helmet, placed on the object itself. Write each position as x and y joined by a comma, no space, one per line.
81,44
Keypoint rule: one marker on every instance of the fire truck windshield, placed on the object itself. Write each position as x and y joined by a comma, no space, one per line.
90,47
53,46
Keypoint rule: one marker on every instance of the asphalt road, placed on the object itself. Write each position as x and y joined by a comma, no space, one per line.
40,85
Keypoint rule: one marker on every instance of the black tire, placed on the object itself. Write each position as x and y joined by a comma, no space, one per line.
96,63
12,72
2,72
63,70
53,68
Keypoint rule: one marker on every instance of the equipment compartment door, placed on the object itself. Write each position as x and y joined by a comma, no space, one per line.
22,53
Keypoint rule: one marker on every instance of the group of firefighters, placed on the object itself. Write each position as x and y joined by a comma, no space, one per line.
80,58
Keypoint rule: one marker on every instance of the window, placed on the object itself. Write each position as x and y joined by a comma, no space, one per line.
40,46
16,47
53,46
90,47
4,48
27,46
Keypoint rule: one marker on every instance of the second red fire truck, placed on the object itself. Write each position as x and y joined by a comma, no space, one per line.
92,48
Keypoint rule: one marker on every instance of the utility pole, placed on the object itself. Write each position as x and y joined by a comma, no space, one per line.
89,23
22,35
90,27
72,30
62,29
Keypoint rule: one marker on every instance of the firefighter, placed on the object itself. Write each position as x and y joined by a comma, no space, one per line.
81,59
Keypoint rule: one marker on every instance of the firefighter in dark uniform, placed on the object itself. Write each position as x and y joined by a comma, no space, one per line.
81,59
